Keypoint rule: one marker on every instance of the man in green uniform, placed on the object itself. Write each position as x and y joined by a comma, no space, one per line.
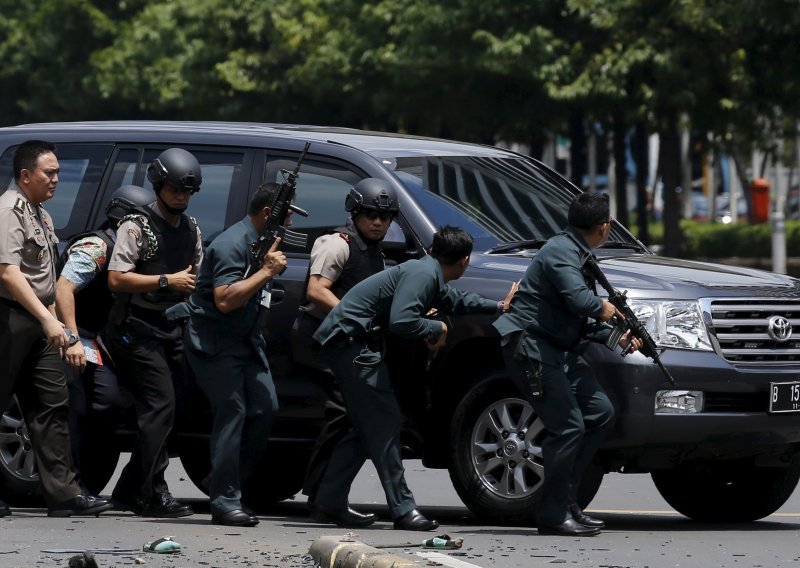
31,337
228,356
395,301
544,333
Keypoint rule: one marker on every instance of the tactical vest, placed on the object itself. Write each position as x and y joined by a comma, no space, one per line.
93,302
364,261
174,250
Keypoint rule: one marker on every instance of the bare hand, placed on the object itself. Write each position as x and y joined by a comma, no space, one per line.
54,332
510,296
76,357
634,342
183,281
610,311
274,260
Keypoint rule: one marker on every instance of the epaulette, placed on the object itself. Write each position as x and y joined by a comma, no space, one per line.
345,236
20,205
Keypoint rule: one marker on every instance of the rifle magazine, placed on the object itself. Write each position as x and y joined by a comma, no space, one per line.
294,239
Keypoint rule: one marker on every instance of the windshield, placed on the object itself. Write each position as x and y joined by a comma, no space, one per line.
497,200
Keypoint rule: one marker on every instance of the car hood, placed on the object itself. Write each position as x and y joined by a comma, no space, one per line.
651,276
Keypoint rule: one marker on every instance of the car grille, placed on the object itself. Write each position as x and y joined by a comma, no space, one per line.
763,330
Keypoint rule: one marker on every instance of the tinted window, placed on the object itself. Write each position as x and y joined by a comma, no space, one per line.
223,171
82,167
321,189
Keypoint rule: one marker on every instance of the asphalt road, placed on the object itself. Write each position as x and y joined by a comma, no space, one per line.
642,532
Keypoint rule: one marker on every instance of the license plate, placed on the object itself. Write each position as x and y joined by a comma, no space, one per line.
784,397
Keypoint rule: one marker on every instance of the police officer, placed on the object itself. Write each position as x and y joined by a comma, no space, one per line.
394,300
152,268
544,333
83,302
339,261
30,335
227,354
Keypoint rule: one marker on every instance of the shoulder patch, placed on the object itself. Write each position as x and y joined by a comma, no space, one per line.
345,236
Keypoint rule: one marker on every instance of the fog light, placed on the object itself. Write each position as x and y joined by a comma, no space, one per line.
679,402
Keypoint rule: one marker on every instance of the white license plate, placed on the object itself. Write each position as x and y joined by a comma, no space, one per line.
784,397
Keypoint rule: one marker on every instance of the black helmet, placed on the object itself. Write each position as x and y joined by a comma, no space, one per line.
125,199
372,193
178,168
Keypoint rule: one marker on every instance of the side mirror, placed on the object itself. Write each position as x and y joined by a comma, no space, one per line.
394,243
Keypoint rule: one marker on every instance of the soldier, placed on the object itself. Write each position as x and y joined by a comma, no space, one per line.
228,356
152,268
32,338
339,261
544,334
82,304
395,300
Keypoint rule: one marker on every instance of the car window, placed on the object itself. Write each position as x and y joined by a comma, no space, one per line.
82,167
222,169
321,189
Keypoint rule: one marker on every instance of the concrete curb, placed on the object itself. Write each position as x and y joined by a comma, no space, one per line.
342,552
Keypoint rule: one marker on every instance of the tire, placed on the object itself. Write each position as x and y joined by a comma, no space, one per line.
727,491
496,462
279,476
20,485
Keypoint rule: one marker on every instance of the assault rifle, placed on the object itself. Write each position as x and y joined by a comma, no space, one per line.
278,209
631,322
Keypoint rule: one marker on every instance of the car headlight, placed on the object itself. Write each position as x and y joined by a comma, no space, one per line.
676,324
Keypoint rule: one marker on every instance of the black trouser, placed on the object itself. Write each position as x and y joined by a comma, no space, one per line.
336,425
32,369
147,362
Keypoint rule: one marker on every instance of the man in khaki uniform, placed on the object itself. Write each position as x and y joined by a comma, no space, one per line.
31,338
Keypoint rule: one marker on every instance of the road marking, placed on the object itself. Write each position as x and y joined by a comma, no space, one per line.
666,512
446,560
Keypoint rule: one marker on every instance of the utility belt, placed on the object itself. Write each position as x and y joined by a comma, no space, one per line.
372,343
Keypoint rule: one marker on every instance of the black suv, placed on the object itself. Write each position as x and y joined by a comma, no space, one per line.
721,445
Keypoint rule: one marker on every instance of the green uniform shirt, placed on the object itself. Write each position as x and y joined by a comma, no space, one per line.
397,300
554,302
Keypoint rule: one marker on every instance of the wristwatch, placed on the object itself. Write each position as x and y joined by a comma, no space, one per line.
163,282
72,338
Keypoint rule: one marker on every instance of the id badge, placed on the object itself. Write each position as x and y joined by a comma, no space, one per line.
266,296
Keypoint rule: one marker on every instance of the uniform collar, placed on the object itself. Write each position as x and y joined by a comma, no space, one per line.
578,239
437,268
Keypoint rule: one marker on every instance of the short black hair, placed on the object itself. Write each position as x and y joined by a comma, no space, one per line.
28,152
263,197
451,244
588,210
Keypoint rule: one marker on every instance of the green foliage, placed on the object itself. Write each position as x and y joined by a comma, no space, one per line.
704,240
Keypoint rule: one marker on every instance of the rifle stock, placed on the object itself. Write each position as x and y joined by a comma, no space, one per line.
631,322
274,228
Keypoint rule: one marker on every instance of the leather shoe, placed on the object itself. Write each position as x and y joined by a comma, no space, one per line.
570,527
80,505
4,510
235,518
164,506
345,518
583,518
415,521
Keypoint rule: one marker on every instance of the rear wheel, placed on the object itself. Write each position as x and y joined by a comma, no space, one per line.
496,462
20,485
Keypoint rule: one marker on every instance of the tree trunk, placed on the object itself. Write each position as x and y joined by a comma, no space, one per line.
670,166
577,151
620,171
641,155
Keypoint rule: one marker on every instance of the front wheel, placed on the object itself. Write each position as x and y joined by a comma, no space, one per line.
731,491
496,462
20,477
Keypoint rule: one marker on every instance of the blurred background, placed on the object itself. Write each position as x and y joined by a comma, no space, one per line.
686,111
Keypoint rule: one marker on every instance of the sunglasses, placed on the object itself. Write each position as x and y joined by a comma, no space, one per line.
373,214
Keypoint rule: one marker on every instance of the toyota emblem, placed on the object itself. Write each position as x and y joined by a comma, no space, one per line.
779,328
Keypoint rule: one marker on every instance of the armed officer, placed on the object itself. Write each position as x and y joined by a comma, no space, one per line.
31,337
339,261
152,268
395,300
544,333
228,355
